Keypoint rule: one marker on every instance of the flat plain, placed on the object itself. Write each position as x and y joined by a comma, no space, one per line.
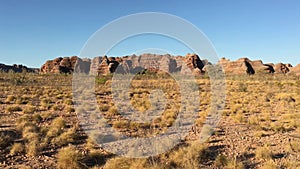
259,126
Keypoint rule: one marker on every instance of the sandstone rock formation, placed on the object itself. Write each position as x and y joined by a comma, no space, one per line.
246,66
282,68
83,65
16,68
241,66
295,70
62,65
127,64
191,63
260,67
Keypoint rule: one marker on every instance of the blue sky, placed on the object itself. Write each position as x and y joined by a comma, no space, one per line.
33,31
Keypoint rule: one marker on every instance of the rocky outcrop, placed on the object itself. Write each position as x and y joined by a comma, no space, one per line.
168,64
241,66
65,65
17,68
282,68
246,66
294,70
83,65
260,67
191,63
127,64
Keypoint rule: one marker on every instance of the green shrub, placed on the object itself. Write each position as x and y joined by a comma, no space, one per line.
101,80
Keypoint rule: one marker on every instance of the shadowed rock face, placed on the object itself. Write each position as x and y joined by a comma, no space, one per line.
16,68
241,66
282,68
259,67
191,63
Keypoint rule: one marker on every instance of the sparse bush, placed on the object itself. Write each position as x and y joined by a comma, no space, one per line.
291,163
259,134
221,161
239,117
263,153
295,146
101,80
22,100
65,138
5,140
126,163
55,107
243,87
17,148
11,109
113,111
46,104
189,157
118,162
69,109
253,120
270,164
29,110
121,124
234,164
47,115
56,127
277,126
33,145
69,158
97,157
68,102
10,98
103,107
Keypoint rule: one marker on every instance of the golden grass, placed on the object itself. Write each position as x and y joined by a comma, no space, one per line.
264,105
69,157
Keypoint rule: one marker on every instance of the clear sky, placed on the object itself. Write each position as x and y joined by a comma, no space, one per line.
33,31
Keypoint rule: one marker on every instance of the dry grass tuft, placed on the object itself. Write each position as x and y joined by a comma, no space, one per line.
69,157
